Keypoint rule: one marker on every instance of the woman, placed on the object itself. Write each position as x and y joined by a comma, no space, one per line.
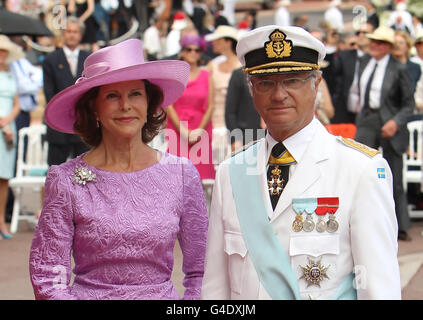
84,10
119,207
224,41
401,51
9,109
190,115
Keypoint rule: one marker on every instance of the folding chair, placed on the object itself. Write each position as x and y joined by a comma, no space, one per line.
30,173
413,161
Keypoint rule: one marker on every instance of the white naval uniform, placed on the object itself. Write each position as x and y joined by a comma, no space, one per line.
366,240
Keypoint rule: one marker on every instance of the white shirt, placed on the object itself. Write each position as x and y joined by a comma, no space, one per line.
151,41
376,88
72,57
282,17
172,42
353,103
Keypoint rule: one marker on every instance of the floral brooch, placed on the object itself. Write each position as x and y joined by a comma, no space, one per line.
82,175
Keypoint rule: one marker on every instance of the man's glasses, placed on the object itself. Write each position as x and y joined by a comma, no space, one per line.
268,85
361,32
197,50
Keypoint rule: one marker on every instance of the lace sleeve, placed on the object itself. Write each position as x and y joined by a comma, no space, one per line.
50,255
193,232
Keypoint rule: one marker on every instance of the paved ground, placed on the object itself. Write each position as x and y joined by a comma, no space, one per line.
15,283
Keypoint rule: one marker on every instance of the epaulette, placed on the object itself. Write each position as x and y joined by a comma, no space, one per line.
244,147
370,152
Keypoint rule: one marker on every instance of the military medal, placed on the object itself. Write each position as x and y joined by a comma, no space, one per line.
314,272
301,205
308,224
327,205
275,183
321,224
297,225
332,224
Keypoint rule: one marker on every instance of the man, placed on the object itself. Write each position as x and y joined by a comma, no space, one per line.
386,100
418,44
303,239
61,69
242,119
346,95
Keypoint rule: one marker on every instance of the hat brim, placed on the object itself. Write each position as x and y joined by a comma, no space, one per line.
214,36
170,75
14,52
379,38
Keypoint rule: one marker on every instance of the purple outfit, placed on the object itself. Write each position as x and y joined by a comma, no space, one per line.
121,230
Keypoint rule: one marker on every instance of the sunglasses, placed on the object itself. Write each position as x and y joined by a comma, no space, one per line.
197,50
361,32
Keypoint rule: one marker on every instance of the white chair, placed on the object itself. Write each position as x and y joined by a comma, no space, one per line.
30,173
413,161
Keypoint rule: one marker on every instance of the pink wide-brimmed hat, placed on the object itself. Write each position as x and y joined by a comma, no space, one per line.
121,62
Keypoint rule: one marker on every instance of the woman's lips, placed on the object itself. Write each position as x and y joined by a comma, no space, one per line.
125,119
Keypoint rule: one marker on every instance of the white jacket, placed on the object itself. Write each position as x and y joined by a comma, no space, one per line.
365,242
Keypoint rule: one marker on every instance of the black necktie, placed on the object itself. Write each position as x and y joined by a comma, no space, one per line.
278,171
366,104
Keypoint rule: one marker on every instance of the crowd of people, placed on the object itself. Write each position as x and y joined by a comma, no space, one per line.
209,92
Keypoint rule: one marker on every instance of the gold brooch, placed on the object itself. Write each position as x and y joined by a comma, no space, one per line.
278,47
314,272
82,175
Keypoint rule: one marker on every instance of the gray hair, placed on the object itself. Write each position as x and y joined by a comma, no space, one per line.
73,19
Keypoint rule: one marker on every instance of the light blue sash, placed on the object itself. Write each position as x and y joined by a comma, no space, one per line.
270,260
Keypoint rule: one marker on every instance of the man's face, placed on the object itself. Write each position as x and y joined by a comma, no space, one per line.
72,35
379,49
290,108
362,40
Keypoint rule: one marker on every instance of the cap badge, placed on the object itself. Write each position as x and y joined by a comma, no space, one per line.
278,47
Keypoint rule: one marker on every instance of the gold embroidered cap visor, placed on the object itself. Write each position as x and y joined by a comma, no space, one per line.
274,49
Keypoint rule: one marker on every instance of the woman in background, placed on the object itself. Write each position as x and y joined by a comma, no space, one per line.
190,115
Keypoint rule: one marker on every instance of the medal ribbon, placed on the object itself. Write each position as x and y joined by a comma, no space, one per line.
308,205
285,159
327,205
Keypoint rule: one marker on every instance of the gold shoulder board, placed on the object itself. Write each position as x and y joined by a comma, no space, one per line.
243,148
370,152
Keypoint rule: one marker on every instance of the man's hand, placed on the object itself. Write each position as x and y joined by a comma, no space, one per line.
389,129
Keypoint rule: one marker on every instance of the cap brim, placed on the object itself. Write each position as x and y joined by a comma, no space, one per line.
171,76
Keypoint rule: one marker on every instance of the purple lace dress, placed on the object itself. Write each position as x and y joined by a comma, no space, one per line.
121,230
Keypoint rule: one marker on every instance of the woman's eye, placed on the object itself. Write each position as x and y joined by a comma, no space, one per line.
111,96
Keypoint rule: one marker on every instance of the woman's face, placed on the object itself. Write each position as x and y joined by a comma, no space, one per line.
191,54
121,109
3,56
400,47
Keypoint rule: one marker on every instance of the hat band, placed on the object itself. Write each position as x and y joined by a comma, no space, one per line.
282,66
298,55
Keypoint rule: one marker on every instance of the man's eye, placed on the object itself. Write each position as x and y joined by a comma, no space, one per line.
266,83
292,81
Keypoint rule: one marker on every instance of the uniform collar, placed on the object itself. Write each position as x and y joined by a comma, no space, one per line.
295,144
